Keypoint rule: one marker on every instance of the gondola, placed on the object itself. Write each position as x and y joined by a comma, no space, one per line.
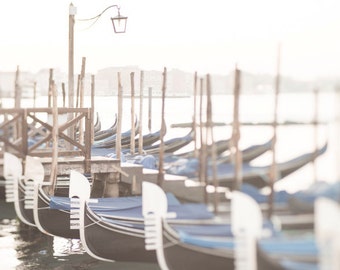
221,146
52,213
148,139
97,125
204,248
171,145
177,162
110,141
117,233
254,175
48,220
102,134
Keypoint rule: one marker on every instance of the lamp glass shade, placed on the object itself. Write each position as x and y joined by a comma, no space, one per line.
119,24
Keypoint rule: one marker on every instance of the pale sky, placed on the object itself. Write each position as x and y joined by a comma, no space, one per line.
205,36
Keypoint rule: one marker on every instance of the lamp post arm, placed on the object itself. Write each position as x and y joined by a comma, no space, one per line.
101,13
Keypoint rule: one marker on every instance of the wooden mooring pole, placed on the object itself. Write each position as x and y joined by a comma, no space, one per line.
133,128
236,135
54,164
140,140
273,171
160,179
212,148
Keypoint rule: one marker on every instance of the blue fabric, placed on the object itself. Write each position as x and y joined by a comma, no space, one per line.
108,204
124,223
320,189
147,161
208,242
303,201
291,265
290,245
183,211
279,196
274,245
215,229
226,170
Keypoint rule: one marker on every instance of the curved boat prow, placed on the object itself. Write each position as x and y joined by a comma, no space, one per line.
33,179
34,169
79,193
12,174
34,175
12,165
243,209
327,229
154,199
79,186
155,208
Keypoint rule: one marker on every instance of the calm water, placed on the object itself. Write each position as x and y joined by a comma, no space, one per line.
24,247
27,248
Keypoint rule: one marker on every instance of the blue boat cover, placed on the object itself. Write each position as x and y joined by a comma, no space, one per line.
279,245
303,201
108,204
291,265
215,229
281,196
183,211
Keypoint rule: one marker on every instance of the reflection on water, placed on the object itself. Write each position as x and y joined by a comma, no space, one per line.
65,247
24,247
8,245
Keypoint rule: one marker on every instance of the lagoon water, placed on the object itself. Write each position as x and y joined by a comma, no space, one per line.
27,248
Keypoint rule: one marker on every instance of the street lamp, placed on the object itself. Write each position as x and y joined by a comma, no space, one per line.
119,26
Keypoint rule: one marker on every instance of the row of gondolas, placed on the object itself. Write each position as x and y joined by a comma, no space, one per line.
185,163
156,227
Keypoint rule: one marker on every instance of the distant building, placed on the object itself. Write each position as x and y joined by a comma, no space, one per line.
178,82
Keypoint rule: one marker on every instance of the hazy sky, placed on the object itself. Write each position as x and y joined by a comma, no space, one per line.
204,36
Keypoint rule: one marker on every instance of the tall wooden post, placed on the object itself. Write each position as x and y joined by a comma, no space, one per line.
64,94
273,171
202,174
72,13
194,120
212,148
202,150
119,122
141,96
34,93
54,164
17,101
316,132
236,133
92,105
50,86
337,134
133,131
81,97
160,179
150,109
17,89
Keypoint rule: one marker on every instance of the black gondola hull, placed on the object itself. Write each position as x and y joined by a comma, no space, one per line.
112,243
